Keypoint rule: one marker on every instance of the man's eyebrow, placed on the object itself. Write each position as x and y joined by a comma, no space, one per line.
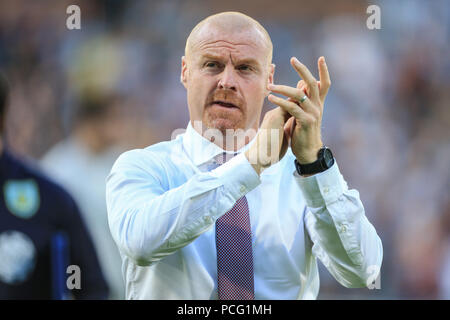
249,61
210,57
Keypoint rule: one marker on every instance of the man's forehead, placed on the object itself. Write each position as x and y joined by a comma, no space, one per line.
234,31
211,38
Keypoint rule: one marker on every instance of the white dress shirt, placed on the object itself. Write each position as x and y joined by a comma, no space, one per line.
163,202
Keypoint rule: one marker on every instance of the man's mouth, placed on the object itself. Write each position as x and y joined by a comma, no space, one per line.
224,104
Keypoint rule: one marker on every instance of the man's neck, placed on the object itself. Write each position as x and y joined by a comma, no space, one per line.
227,139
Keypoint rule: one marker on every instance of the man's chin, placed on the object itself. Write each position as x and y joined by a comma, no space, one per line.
223,124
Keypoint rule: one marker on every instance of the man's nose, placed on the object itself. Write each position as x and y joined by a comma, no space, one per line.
227,79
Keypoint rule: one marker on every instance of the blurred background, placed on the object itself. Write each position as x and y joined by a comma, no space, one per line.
81,97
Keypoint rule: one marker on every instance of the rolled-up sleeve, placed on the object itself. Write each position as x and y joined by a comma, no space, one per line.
149,220
343,238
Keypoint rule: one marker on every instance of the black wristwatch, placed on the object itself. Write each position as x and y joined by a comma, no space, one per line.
324,161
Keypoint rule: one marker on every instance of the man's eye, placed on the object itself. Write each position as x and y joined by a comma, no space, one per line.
244,67
211,65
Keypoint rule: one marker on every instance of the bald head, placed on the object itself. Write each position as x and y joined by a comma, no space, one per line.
228,23
226,69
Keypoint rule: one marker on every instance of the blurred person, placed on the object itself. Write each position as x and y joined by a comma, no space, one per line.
419,257
444,272
423,266
81,164
191,225
37,218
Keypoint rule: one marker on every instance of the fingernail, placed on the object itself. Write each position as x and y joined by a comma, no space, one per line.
296,61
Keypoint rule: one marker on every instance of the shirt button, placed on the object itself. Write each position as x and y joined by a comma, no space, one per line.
326,190
207,219
242,189
343,228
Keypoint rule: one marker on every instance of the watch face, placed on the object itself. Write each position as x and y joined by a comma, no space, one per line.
328,157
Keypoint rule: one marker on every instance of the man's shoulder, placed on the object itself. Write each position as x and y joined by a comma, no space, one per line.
164,148
158,153
30,170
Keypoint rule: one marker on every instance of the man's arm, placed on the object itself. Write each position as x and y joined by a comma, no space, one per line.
344,239
149,221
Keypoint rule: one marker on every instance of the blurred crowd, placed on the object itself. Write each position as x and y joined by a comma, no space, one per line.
81,97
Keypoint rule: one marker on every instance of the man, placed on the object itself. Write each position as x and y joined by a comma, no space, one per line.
90,152
192,227
41,234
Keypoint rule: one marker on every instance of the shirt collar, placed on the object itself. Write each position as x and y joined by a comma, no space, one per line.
200,150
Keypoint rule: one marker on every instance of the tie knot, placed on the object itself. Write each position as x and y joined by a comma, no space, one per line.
224,157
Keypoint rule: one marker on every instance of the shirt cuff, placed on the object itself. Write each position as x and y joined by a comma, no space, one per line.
238,175
322,188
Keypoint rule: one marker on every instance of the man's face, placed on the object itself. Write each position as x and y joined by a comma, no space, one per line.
226,77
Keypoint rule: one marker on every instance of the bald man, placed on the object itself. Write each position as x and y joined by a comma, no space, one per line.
232,209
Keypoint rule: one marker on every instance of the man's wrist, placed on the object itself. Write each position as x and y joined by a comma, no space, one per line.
307,175
308,157
259,168
307,160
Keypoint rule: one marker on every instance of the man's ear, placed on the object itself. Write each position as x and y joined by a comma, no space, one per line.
183,76
270,77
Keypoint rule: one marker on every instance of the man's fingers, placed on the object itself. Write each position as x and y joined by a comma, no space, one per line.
306,75
287,91
289,127
275,118
302,86
295,95
292,108
288,106
325,81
